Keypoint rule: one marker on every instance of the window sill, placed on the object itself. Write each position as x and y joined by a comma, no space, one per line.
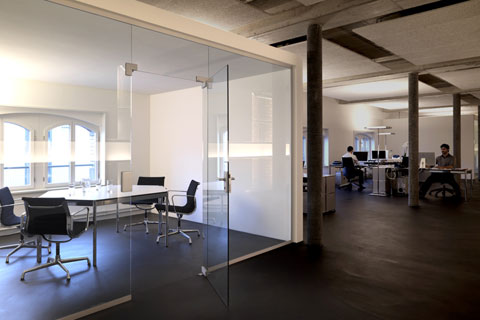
27,191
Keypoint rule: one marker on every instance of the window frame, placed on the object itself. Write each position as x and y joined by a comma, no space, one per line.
72,124
97,149
45,165
360,134
32,155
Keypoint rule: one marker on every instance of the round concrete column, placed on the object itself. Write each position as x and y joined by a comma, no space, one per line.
413,187
315,136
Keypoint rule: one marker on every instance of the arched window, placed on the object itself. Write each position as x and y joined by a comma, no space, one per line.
59,143
364,142
17,151
85,153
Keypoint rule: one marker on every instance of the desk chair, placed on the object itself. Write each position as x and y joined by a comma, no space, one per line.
348,170
443,190
8,218
188,208
146,205
51,216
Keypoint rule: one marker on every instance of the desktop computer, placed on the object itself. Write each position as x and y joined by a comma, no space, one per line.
361,155
379,154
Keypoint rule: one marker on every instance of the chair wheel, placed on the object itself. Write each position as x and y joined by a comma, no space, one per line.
6,261
68,278
22,279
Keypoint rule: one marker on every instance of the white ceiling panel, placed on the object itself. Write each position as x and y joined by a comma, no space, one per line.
406,4
373,90
444,34
337,61
309,2
464,79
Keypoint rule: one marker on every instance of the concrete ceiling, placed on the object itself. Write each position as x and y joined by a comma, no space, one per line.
363,37
464,79
36,41
337,61
445,34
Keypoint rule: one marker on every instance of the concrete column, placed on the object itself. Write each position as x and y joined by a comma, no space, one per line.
413,187
478,141
314,136
457,130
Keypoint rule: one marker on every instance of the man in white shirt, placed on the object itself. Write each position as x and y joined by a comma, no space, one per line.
351,173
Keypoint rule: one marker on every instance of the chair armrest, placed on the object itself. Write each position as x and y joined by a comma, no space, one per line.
183,195
88,216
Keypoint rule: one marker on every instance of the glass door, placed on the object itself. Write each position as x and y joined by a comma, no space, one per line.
217,185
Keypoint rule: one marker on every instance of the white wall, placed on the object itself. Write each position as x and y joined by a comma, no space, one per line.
341,122
260,202
176,145
433,132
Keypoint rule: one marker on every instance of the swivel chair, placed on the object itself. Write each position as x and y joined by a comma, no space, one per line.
8,218
187,209
146,205
442,190
51,216
348,170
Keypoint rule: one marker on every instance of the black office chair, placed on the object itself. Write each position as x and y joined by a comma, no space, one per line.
442,190
146,205
188,208
8,218
348,169
51,216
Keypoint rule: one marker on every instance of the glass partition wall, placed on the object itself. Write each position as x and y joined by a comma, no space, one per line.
81,102
64,132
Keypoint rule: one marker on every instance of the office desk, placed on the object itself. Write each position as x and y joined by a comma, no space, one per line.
93,198
457,171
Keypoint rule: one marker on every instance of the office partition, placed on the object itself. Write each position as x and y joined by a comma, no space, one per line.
86,98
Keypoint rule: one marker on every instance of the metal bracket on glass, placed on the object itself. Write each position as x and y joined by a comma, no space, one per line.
227,182
206,82
129,68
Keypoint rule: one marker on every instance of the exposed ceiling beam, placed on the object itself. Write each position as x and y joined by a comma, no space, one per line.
424,95
446,66
320,12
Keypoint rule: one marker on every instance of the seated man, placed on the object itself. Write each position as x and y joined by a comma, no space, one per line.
444,161
351,173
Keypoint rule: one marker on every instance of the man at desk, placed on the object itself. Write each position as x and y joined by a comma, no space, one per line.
354,172
443,161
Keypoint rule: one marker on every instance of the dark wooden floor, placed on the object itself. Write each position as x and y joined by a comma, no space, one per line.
381,260
128,262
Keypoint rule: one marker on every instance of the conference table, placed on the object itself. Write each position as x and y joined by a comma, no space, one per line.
107,195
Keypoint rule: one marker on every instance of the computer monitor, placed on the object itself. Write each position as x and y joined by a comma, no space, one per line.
430,159
361,155
379,154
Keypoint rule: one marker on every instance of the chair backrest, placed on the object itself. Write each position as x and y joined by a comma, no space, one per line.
7,215
192,189
151,181
347,162
46,216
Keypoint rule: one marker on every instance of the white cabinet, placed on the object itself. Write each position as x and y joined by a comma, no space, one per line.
328,194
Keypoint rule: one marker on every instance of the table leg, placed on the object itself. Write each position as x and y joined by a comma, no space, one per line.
117,216
39,249
166,221
94,234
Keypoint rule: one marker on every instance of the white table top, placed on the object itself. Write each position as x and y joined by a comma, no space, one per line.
91,194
